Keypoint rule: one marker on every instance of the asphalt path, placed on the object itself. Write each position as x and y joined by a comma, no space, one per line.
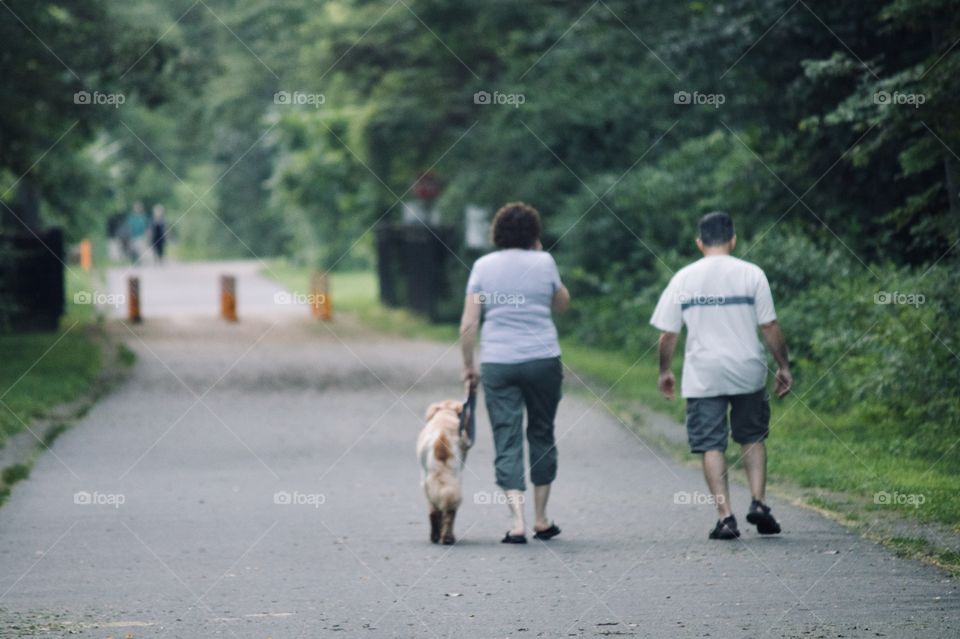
258,479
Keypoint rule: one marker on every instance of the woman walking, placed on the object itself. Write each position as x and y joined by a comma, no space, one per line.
514,291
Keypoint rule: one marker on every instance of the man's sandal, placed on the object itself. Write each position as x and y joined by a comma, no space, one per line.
547,533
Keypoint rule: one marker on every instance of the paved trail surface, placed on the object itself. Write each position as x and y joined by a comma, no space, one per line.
219,422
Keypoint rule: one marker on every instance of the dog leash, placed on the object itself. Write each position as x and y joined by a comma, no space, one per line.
468,421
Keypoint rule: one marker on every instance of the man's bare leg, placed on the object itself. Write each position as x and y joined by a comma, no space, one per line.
755,463
715,472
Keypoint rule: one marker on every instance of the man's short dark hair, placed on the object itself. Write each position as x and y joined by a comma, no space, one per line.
716,228
516,225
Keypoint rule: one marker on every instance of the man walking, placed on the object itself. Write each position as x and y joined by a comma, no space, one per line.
722,300
158,232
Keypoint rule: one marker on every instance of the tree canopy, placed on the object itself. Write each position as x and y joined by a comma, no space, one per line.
832,120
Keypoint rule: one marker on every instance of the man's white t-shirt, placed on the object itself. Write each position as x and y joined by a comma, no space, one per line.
722,300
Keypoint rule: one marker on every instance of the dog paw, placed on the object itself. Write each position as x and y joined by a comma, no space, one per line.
449,540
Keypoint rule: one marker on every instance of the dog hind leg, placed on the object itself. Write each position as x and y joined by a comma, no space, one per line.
435,524
446,529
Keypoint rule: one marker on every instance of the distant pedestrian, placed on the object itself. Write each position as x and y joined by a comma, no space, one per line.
722,300
513,292
158,232
137,230
118,244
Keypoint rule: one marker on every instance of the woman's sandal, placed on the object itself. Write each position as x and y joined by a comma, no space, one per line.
513,539
548,533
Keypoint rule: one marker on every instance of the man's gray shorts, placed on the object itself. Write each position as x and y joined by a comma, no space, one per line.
707,423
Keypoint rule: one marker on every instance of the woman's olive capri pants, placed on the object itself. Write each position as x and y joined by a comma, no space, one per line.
508,388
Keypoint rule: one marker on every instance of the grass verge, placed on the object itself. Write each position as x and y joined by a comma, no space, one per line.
41,371
850,465
355,293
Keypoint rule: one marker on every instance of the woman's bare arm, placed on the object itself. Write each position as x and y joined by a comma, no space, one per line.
469,323
561,300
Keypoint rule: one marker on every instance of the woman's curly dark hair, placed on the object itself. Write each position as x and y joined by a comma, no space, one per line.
516,225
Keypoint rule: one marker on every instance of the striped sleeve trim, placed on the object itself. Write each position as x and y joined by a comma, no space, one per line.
717,300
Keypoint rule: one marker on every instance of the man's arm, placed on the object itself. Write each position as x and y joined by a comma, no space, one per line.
469,322
667,344
778,346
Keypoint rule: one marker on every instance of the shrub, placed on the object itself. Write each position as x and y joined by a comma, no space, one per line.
878,341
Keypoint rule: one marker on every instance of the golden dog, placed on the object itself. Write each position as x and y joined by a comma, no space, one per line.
442,452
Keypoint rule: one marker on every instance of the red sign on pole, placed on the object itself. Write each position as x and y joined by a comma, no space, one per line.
427,186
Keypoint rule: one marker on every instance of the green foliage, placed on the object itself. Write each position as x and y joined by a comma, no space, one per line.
800,116
125,356
880,335
13,474
54,145
40,370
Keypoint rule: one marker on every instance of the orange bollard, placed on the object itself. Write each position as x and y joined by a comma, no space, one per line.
326,302
314,298
133,300
228,298
86,255
321,305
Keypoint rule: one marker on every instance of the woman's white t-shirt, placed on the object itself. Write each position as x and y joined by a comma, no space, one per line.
515,288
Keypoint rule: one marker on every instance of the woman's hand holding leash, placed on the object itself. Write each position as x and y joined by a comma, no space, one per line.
471,378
